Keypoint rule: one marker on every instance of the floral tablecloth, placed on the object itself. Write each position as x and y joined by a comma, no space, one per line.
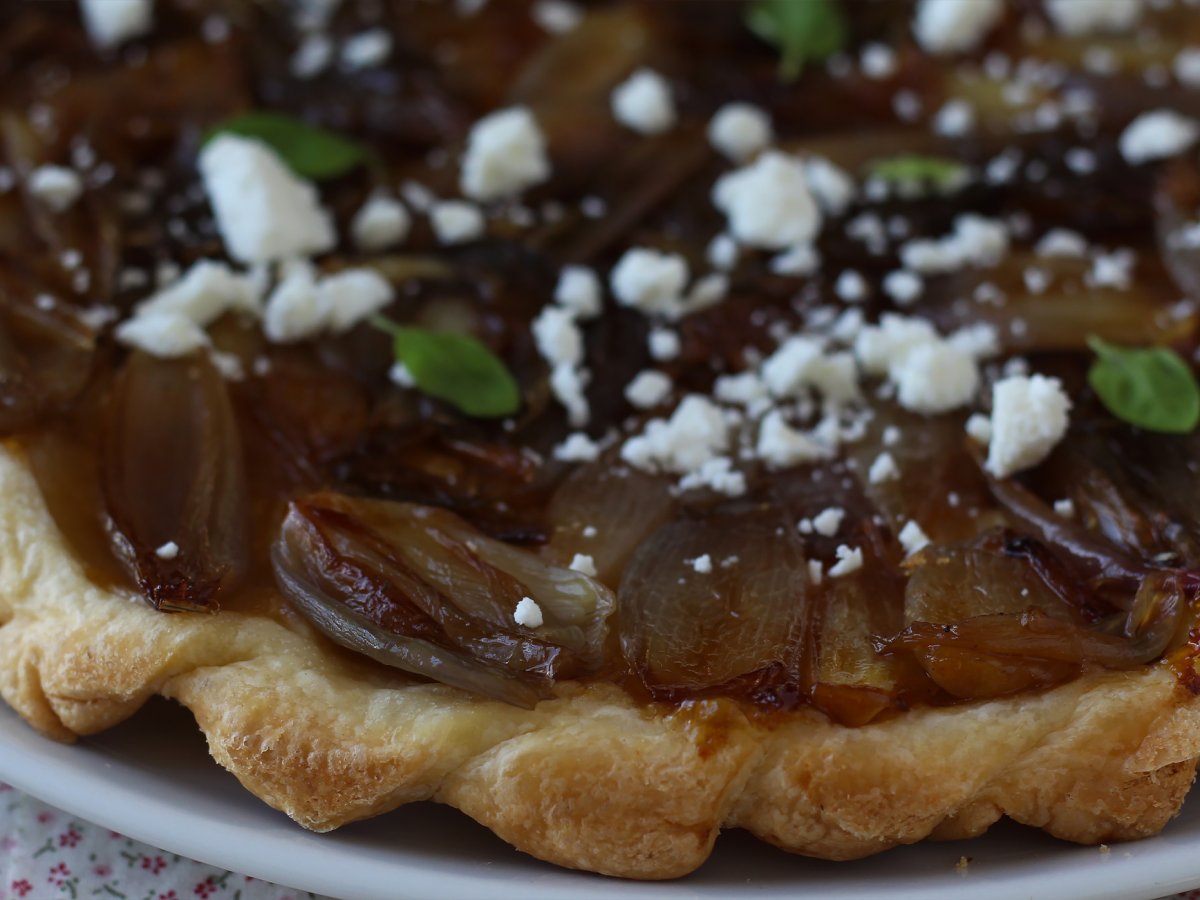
47,854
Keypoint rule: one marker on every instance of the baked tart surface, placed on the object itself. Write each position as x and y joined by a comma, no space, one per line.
618,422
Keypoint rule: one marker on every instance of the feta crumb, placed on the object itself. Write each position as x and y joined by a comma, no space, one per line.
206,292
830,185
293,311
849,560
884,347
643,102
883,469
739,130
589,531
955,26
816,573
891,436
1029,416
400,375
557,16
56,186
768,202
799,261
702,564
578,291
559,339
577,447
979,428
1158,134
936,377
956,118
263,211
780,445
664,344
648,389
976,240
1080,17
353,295
717,474
456,221
878,61
913,537
112,22
366,49
312,57
1187,67
506,153
828,521
528,614
583,563
169,550
380,224
649,281
903,286
1062,243
851,287
722,252
1065,508
567,383
694,434
162,334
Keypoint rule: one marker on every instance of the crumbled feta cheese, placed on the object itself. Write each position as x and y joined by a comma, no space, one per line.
740,130
849,560
380,224
312,57
903,286
780,445
936,377
789,368
851,287
578,291
979,341
883,469
1113,269
162,334
717,474
706,292
567,383
558,338
56,186
263,211
577,447
956,118
1062,243
976,241
1157,135
955,26
816,573
112,22
1187,67
883,347
798,261
828,520
649,281
353,295
208,291
506,153
456,221
366,49
913,537
648,389
169,550
694,434
891,436
702,565
644,103
528,614
583,563
293,311
878,61
1065,508
722,252
1029,416
768,202
400,375
664,344
742,389
1079,17
557,16
979,428
830,185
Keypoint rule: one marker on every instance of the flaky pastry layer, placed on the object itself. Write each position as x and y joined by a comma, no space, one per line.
591,779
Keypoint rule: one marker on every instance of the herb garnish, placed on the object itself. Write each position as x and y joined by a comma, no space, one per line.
454,367
309,151
803,30
1150,387
915,170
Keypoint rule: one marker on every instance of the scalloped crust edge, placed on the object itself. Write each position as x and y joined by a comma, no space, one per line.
591,779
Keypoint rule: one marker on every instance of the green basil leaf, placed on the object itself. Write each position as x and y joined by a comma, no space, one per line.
914,169
1150,387
456,368
802,30
309,151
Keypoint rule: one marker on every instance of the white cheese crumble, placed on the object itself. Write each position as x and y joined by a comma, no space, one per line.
456,221
380,224
578,291
583,563
815,572
528,614
849,560
913,537
312,57
769,203
903,286
851,287
799,261
1065,508
263,211
557,16
643,102
302,306
780,445
506,153
207,291
664,344
1062,243
649,281
702,565
56,186
366,49
1187,67
559,339
717,475
648,389
353,295
162,334
112,22
567,383
1029,416
740,130
577,447
830,184
955,26
883,469
1079,17
169,550
1158,134
722,252
828,520
877,61
694,434
936,377
975,240
979,428
956,118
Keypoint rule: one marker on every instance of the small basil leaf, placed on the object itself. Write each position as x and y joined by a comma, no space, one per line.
802,30
914,169
456,368
309,151
1150,387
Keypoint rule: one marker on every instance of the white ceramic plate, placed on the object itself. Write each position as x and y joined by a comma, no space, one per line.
152,780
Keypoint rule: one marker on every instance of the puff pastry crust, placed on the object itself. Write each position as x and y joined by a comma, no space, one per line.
591,779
